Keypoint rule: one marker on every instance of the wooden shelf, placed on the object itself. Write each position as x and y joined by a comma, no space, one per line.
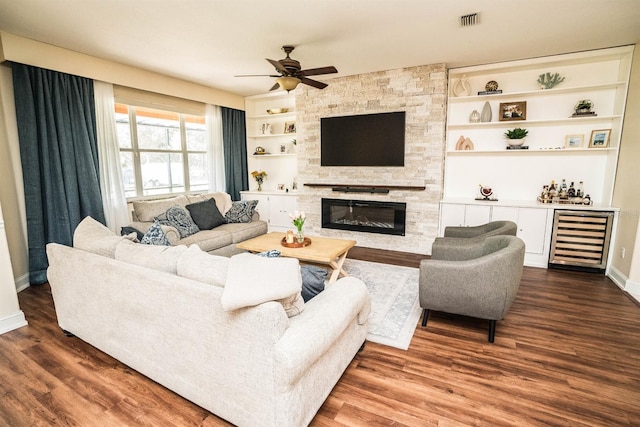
377,187
515,123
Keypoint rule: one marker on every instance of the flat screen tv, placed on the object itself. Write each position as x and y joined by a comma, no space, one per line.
363,140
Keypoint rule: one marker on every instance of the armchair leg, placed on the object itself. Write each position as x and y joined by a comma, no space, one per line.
492,330
425,316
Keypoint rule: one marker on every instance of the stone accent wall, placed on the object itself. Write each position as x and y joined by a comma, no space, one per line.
421,93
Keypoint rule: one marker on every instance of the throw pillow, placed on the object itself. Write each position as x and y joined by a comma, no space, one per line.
312,281
125,231
92,236
155,236
206,214
178,217
241,211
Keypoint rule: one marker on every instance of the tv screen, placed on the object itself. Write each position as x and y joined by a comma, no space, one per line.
363,140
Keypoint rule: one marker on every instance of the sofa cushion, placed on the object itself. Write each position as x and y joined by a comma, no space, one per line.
241,211
312,281
253,280
209,240
148,210
92,236
155,236
198,265
206,214
161,258
178,217
244,231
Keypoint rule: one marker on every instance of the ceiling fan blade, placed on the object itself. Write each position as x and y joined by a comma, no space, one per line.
274,87
278,66
257,75
313,83
318,71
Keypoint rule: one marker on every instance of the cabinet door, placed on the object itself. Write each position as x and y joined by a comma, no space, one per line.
531,223
451,215
532,228
476,215
279,209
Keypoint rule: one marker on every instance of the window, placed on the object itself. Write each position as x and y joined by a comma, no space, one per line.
161,152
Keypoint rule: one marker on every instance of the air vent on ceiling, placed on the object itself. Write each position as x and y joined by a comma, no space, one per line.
469,20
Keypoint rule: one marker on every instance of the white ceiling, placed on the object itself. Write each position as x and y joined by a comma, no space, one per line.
211,41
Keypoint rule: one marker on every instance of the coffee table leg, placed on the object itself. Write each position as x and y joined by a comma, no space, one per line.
338,271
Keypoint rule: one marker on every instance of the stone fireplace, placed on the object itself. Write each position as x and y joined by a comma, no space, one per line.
421,93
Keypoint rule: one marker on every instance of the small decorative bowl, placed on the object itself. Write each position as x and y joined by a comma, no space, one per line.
277,110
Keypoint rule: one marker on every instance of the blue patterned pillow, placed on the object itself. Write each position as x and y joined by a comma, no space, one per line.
241,211
155,236
178,217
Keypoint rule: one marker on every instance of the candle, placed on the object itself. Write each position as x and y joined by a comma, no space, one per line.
289,236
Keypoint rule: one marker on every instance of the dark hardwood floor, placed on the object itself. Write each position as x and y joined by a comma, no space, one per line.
567,354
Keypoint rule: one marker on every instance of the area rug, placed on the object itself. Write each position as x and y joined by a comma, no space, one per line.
395,307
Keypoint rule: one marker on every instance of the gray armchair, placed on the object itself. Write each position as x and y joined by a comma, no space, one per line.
479,279
457,238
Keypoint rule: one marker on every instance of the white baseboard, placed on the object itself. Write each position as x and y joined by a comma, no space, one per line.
623,282
22,282
12,322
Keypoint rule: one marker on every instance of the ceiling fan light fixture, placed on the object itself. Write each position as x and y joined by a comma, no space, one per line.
288,83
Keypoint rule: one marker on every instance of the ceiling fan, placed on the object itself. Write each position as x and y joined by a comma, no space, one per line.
291,73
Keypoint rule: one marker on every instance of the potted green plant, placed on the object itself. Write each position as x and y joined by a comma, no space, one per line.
516,136
583,106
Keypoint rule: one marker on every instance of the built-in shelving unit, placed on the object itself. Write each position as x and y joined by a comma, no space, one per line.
275,133
601,76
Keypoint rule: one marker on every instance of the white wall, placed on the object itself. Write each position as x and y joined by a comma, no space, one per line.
11,317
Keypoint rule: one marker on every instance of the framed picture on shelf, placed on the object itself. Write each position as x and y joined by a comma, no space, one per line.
513,111
599,138
574,141
289,127
283,149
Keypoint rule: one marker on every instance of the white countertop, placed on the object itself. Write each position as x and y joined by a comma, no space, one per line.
529,204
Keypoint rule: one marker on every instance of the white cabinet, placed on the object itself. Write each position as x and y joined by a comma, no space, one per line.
460,215
534,224
274,208
600,76
272,129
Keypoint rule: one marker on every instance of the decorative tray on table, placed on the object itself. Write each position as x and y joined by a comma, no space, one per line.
295,244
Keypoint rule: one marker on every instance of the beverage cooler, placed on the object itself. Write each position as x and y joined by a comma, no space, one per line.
580,240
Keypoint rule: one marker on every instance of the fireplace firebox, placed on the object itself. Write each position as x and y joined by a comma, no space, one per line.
364,215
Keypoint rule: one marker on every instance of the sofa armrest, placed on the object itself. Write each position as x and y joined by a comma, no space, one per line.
317,328
171,232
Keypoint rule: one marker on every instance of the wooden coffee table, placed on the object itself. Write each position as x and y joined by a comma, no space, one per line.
322,250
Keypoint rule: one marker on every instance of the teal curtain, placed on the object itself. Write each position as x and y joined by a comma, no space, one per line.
234,137
58,149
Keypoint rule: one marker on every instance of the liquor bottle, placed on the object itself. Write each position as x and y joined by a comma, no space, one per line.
580,192
552,189
571,192
564,185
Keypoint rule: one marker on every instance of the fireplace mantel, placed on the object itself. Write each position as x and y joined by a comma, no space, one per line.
361,188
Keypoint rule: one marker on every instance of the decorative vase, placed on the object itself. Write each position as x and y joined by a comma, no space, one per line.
516,142
474,117
300,236
259,185
486,113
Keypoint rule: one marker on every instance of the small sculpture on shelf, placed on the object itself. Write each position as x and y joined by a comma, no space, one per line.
548,80
486,193
584,108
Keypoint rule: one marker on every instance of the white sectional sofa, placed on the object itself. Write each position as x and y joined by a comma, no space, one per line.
160,310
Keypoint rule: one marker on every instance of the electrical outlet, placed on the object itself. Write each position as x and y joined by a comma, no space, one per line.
622,252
